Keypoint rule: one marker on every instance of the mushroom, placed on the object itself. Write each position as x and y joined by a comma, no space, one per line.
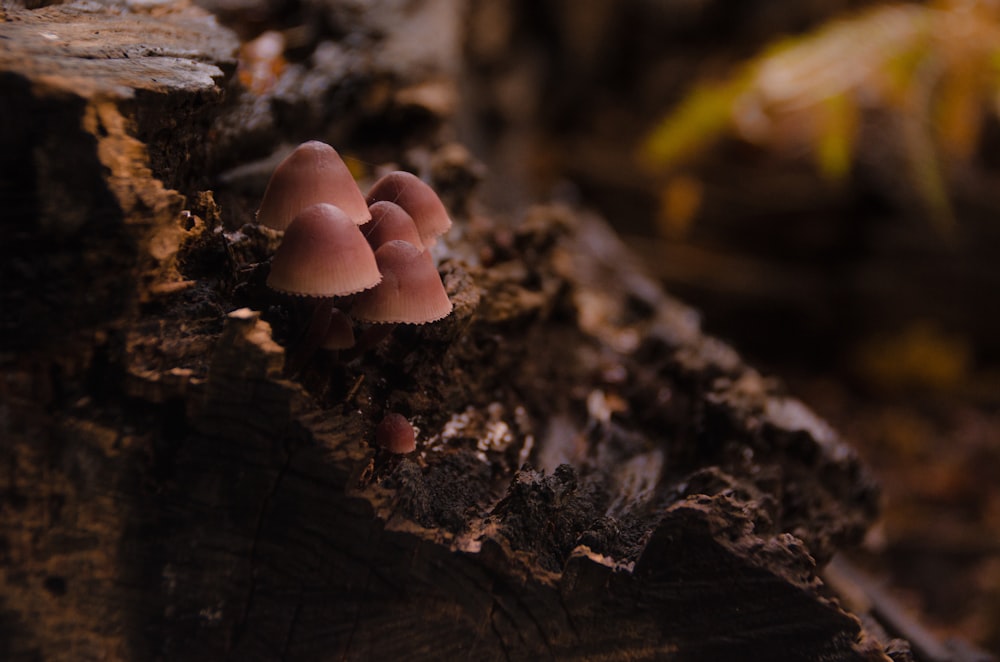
418,199
395,434
410,292
323,255
339,332
390,221
311,174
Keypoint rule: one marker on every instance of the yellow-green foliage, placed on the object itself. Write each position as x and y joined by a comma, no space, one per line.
935,68
699,119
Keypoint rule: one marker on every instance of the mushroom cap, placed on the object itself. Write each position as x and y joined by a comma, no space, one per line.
340,334
395,434
418,199
323,254
311,174
390,221
410,292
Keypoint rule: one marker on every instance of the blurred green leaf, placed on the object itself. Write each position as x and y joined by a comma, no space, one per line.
935,67
835,145
698,121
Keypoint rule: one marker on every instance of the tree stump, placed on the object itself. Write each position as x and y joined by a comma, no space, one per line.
594,478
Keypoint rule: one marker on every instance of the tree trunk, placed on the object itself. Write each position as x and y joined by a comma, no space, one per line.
594,477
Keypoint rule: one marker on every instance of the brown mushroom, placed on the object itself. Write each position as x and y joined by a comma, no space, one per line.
389,222
418,199
311,174
395,434
323,254
339,332
410,292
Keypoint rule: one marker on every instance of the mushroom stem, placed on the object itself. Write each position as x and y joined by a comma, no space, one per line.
310,340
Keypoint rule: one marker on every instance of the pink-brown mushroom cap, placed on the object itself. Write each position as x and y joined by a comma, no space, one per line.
418,199
389,222
311,174
323,254
410,292
395,434
340,333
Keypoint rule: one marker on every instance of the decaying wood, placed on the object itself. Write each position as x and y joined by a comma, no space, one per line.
595,478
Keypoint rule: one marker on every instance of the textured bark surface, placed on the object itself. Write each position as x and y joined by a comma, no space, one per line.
594,477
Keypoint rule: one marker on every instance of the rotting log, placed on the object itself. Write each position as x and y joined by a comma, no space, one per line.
595,478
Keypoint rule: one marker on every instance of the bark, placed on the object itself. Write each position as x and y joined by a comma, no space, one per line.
595,478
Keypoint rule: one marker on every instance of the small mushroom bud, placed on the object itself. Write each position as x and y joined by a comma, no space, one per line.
339,333
311,174
389,222
395,434
418,199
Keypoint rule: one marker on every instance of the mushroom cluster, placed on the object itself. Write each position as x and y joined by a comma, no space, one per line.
349,257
